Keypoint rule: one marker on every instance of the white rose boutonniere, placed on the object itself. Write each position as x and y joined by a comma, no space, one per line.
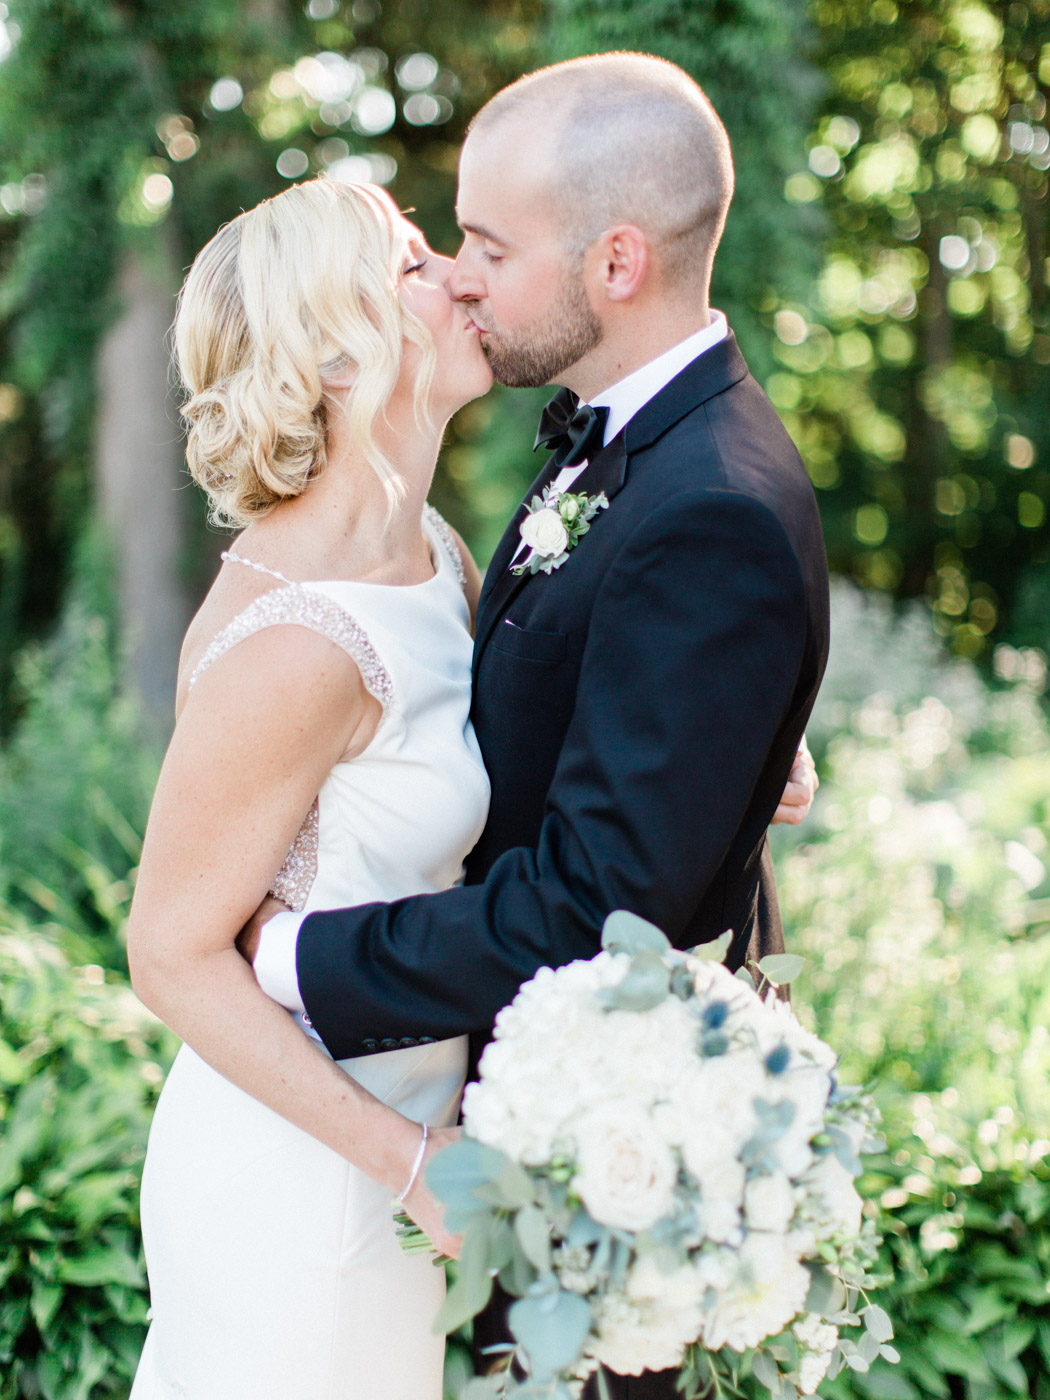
554,525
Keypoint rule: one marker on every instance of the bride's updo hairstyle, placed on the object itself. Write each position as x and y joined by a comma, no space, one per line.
287,297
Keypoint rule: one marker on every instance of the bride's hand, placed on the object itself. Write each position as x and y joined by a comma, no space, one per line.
424,1208
248,938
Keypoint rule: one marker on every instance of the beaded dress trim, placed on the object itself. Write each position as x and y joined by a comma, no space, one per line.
444,533
305,608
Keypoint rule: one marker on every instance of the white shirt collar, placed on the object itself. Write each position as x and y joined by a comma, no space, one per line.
623,400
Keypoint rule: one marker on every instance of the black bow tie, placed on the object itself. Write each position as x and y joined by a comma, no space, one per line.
570,429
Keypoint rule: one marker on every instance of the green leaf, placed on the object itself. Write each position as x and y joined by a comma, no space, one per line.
455,1173
101,1265
533,1234
781,968
551,1329
765,1370
745,976
44,1303
826,1294
714,951
646,984
890,1354
878,1323
624,932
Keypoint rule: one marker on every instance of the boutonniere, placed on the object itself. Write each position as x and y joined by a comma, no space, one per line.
554,525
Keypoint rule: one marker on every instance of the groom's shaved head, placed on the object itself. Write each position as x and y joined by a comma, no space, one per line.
627,139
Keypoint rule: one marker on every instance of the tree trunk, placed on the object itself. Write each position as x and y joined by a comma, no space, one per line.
140,477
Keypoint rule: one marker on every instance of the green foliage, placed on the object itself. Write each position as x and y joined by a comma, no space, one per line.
918,894
914,373
80,1064
969,1252
76,778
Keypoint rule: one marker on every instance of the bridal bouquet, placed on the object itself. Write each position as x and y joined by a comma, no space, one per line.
659,1164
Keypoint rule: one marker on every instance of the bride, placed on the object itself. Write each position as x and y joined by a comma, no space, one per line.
323,752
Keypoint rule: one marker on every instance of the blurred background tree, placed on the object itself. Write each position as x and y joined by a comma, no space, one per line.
915,374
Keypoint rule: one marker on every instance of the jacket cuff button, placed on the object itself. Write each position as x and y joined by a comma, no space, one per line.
388,1044
369,1045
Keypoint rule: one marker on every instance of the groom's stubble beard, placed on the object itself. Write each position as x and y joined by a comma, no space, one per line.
539,353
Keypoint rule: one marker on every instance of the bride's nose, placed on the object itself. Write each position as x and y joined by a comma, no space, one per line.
443,270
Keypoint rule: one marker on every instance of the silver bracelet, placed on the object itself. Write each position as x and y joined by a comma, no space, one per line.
415,1165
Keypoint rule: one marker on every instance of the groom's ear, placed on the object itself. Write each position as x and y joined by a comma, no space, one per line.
619,260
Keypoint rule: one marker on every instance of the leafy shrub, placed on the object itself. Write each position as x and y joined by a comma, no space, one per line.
80,1065
76,777
970,1255
920,896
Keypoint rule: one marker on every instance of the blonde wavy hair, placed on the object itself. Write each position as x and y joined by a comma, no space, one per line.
285,298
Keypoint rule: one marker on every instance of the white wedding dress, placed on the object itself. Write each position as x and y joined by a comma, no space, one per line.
274,1268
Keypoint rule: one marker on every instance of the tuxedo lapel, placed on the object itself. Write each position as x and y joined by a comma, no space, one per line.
709,374
606,471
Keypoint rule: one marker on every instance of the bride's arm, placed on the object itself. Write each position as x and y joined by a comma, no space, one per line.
259,733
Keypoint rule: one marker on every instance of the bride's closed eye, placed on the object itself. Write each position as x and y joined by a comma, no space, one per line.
413,267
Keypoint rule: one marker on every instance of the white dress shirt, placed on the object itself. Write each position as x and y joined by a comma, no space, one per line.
274,963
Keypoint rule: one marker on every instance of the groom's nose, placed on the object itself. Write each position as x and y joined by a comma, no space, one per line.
465,282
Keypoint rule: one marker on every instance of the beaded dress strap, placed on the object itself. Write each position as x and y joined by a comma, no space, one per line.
443,530
301,606
236,558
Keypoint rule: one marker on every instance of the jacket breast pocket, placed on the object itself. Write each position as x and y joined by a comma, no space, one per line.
544,647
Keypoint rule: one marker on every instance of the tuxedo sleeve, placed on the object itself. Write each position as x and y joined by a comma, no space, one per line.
688,673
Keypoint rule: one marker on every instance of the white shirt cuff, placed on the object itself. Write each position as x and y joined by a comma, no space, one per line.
274,963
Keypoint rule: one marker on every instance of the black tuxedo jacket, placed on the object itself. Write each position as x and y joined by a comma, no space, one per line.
638,711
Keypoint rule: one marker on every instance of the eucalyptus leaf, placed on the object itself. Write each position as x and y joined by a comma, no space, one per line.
624,932
765,1370
890,1354
716,950
878,1323
826,1294
781,968
551,1329
868,1347
533,1234
646,983
745,976
482,1388
456,1173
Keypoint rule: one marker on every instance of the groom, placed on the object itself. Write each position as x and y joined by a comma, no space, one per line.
639,707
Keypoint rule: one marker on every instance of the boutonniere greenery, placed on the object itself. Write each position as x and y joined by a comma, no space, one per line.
554,525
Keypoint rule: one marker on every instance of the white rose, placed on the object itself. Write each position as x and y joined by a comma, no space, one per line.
769,1203
545,532
626,1173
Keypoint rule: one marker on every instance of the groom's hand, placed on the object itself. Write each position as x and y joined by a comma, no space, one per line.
801,789
248,938
425,1209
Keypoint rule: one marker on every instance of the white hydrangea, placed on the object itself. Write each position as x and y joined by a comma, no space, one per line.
648,1326
817,1340
769,1203
765,1287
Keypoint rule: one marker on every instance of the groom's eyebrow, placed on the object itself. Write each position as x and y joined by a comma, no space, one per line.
482,232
